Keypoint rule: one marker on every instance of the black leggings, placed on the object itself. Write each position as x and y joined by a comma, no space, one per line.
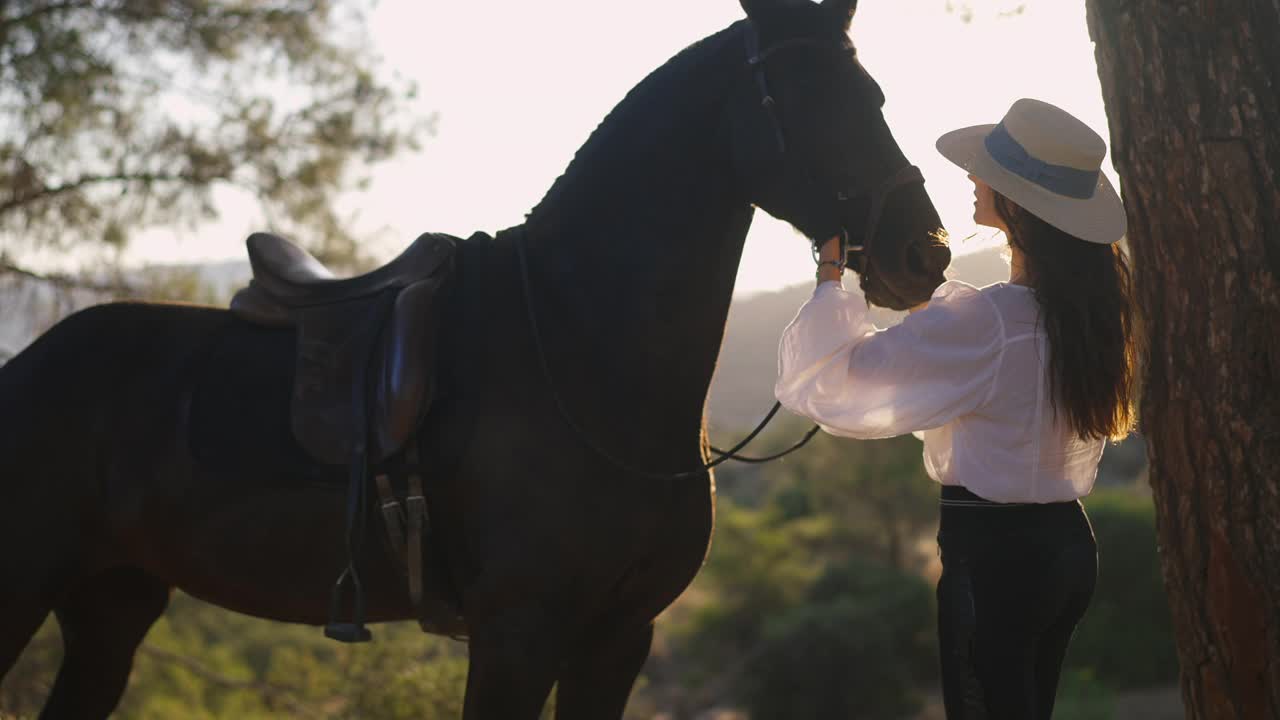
1015,581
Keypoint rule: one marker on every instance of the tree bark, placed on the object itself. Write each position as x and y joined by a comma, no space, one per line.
1192,91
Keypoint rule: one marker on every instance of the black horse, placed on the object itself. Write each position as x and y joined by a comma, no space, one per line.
145,447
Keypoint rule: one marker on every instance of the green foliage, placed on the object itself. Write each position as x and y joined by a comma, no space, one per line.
874,494
814,582
859,646
1082,697
757,570
121,115
200,662
1126,637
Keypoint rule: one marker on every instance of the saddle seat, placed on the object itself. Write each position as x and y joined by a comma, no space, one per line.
290,275
365,367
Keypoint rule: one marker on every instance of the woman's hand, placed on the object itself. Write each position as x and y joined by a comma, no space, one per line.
828,254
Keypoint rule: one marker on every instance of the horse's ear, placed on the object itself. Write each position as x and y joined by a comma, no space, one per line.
842,9
758,10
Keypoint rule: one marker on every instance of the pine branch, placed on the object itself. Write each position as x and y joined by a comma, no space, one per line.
66,282
6,23
82,182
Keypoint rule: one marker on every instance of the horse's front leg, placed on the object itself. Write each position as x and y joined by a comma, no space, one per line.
515,659
597,681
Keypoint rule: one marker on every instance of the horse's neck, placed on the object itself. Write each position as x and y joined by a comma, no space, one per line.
637,245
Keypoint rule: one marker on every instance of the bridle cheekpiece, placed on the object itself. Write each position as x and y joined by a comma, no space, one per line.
909,174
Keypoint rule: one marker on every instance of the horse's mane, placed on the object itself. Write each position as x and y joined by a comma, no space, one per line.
645,107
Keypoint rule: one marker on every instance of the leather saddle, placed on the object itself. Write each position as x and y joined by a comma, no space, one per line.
365,366
364,378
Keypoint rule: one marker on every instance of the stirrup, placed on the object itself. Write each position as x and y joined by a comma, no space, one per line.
354,631
347,632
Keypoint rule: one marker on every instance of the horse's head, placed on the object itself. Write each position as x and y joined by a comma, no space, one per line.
811,147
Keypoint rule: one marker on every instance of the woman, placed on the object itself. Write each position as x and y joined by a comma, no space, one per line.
1014,389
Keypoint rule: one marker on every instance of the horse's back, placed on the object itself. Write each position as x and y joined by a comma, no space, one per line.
67,400
96,362
104,340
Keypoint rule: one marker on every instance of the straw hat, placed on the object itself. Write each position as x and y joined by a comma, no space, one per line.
1047,161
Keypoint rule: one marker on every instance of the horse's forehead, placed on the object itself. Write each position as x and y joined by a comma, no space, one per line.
865,78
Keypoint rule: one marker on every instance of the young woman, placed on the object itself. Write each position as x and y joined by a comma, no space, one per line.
1014,389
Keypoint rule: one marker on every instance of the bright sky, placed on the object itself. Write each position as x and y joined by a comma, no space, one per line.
566,63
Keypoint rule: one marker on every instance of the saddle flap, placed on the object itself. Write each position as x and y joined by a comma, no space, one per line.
405,365
333,350
366,346
365,366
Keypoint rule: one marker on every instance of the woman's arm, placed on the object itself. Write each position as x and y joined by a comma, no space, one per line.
836,368
830,253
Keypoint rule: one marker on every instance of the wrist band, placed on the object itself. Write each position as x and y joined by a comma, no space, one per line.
838,265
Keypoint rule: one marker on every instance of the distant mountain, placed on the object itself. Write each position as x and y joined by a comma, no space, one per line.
220,279
28,307
742,391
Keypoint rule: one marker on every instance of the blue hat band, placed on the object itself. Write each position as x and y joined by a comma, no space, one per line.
1060,179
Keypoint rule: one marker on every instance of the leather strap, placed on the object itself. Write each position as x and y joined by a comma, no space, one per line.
416,510
755,60
392,516
407,526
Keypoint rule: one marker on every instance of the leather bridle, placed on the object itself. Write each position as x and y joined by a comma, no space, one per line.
756,59
907,175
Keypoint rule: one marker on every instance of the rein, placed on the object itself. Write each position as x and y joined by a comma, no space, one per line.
586,439
907,175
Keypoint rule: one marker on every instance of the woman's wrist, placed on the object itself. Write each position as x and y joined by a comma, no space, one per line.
829,270
830,250
830,264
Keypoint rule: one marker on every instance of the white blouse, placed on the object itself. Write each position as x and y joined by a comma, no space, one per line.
968,375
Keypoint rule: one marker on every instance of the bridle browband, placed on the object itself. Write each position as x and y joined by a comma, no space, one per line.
910,174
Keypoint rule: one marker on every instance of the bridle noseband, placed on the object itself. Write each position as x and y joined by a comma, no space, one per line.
905,176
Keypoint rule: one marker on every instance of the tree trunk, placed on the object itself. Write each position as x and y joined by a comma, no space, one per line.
1192,91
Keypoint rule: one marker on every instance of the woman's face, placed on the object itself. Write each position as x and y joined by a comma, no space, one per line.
984,205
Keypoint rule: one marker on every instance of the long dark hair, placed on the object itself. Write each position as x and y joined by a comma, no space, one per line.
1085,294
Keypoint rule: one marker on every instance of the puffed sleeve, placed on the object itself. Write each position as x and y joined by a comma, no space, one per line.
854,380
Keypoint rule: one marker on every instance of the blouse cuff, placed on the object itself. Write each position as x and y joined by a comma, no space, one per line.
827,286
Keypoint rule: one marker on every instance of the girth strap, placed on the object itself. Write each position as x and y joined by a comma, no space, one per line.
392,517
416,509
408,529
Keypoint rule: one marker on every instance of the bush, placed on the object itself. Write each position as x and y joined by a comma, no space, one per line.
1126,637
200,662
1082,697
860,646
